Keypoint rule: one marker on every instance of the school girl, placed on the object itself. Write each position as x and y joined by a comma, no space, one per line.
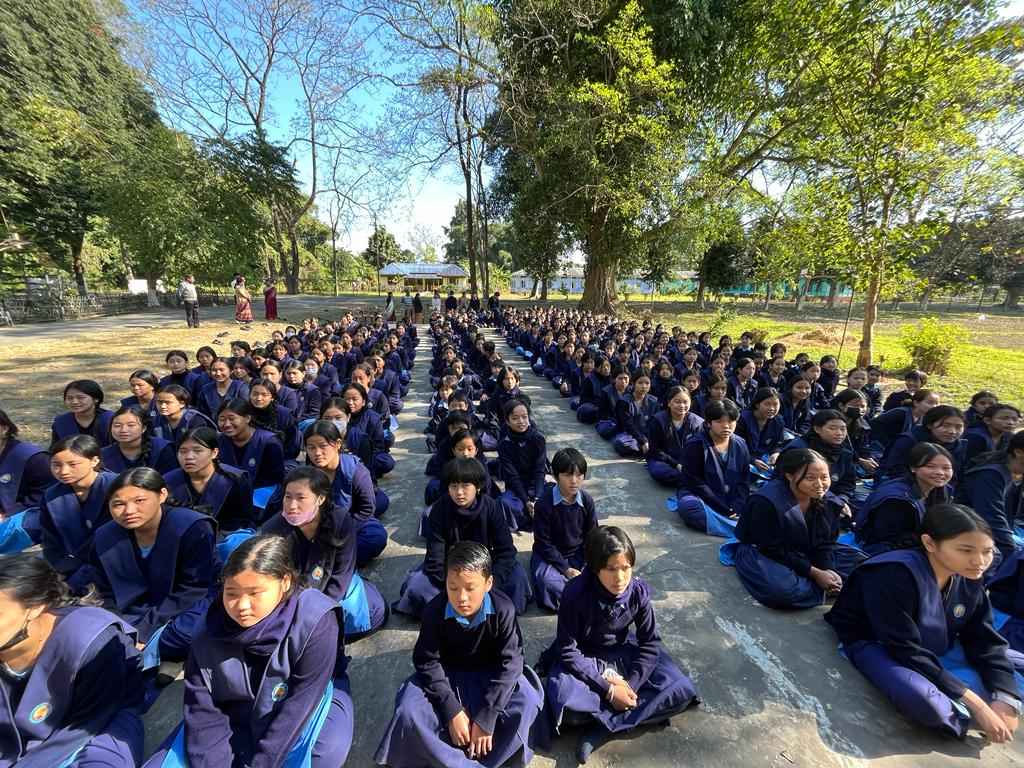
24,477
591,389
143,385
462,443
901,613
991,429
366,422
69,676
266,681
828,437
774,374
608,402
74,507
220,390
135,445
667,434
633,412
853,406
563,518
153,564
308,397
464,513
363,375
471,701
942,425
715,393
716,473
191,380
208,486
891,515
174,416
797,408
742,386
323,538
508,388
607,665
901,419
988,487
523,459
246,446
352,490
85,416
788,556
273,417
763,429
271,370
981,401
913,381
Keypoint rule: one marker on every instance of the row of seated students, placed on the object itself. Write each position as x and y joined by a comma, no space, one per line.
605,668
904,511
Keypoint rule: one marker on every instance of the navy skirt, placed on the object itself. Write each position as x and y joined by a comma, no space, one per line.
418,737
665,693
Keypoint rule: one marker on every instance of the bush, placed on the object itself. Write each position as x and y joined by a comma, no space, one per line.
723,317
931,342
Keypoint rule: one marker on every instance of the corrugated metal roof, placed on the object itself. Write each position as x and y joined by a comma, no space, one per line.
413,269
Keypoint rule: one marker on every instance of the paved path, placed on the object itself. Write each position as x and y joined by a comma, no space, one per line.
775,692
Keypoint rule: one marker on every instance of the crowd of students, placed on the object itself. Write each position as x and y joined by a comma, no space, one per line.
218,518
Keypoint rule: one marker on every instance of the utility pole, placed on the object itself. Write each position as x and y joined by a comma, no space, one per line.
376,251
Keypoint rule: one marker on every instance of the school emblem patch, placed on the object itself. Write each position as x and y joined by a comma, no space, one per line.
279,692
39,713
252,462
318,573
5,478
959,610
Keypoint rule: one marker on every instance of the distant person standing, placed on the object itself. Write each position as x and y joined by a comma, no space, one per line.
389,307
435,302
243,302
406,306
417,308
451,303
270,299
190,298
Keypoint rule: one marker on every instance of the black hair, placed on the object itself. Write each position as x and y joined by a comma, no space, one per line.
947,521
797,460
208,349
272,363
137,477
922,453
8,424
320,484
605,541
267,384
716,409
742,362
674,390
982,394
847,395
458,396
511,405
358,388
915,375
459,435
243,345
566,460
335,402
992,410
464,471
86,387
237,405
177,391
32,582
246,362
468,557
264,554
940,412
205,436
184,355
142,415
823,417
326,429
765,393
86,446
144,375
457,417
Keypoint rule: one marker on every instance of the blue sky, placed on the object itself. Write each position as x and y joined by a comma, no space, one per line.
424,203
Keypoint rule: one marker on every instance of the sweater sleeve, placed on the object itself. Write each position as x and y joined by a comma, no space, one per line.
306,685
569,654
207,728
764,529
363,500
539,470
433,560
430,675
507,669
544,546
986,649
100,690
503,549
893,624
514,481
695,482
987,496
648,642
657,443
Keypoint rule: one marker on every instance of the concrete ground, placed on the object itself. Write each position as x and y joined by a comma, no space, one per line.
775,692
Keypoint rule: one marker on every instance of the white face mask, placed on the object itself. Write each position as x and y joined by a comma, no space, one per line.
311,371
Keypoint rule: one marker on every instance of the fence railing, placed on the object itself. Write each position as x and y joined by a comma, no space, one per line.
21,308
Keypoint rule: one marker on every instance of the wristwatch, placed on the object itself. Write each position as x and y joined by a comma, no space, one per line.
1011,701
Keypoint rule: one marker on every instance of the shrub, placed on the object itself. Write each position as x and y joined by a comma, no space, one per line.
723,317
931,342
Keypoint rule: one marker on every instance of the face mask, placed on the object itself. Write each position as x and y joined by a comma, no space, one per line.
341,424
17,638
311,371
301,518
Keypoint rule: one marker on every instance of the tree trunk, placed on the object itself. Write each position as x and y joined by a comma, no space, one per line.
544,289
599,293
533,291
767,295
1013,294
291,277
700,293
926,296
871,299
833,291
77,264
801,293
